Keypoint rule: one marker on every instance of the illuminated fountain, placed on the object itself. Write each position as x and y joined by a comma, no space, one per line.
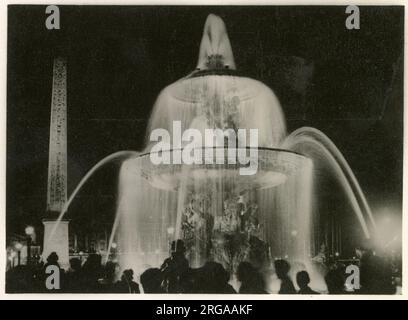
221,214
198,202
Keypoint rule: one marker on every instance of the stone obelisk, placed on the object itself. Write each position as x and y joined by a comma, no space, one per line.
56,233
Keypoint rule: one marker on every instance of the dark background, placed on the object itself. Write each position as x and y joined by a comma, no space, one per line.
119,58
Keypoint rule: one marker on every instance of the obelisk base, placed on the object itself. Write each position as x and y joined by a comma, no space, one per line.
56,240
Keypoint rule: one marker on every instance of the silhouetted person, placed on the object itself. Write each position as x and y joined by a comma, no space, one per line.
175,267
126,283
20,280
74,265
215,279
192,281
375,274
74,276
152,280
303,280
52,260
251,280
107,283
282,268
335,282
92,271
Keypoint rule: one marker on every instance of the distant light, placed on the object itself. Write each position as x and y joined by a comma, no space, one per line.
29,230
81,253
337,254
388,229
114,245
286,256
170,230
18,246
294,233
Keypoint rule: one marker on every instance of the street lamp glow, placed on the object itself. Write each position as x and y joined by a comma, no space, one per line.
114,245
18,246
29,230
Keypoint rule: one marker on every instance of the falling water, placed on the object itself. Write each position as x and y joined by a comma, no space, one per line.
318,147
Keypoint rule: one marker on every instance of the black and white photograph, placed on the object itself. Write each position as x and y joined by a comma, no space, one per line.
195,149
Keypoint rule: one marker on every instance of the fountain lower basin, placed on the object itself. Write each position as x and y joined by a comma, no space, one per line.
157,201
274,167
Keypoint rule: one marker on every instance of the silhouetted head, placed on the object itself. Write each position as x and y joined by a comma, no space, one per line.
110,269
151,280
282,268
215,273
93,263
245,271
220,274
127,275
75,264
52,258
178,247
335,282
302,279
251,279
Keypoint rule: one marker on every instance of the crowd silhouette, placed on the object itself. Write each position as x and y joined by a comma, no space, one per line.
175,276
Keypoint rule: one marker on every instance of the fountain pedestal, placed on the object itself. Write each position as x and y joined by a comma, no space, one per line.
57,242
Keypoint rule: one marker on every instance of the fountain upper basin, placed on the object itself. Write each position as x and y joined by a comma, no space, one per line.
208,100
274,167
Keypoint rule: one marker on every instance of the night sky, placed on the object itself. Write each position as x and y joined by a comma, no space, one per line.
119,58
